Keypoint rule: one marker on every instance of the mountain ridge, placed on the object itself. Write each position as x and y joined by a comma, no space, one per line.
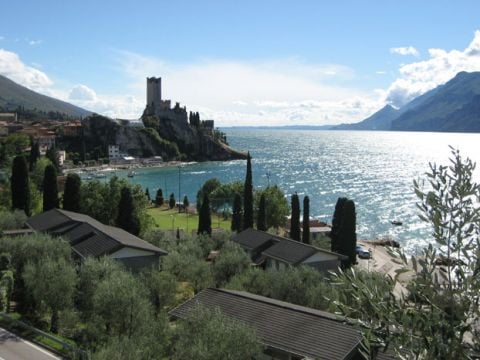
13,96
451,107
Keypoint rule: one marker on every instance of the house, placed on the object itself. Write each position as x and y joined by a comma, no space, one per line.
287,331
276,253
90,238
318,229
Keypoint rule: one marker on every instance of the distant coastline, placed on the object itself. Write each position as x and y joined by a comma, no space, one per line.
281,127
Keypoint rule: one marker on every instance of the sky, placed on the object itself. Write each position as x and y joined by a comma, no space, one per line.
243,62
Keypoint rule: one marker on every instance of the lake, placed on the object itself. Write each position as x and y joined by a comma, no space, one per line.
375,169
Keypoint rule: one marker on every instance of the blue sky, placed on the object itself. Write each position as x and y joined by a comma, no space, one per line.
240,62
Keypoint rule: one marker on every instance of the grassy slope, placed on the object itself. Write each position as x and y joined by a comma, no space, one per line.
165,218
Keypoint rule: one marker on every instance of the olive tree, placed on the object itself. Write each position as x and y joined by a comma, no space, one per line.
438,319
52,283
208,334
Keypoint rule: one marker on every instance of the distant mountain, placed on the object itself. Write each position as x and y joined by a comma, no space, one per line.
452,107
381,120
13,95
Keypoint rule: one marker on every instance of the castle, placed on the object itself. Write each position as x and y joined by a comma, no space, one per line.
162,108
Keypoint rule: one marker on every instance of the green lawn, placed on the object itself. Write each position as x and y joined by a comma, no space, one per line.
171,219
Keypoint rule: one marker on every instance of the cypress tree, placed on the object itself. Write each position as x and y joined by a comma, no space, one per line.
237,213
306,220
159,200
71,195
186,203
50,190
248,196
295,220
52,155
127,217
204,217
34,153
347,236
171,201
261,221
336,221
147,194
19,183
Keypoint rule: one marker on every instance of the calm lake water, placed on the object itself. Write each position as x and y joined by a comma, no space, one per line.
375,169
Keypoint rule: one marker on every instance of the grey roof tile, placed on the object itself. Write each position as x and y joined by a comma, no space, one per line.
288,250
88,236
296,329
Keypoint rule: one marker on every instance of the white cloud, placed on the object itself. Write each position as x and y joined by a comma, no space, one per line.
419,77
241,93
82,93
12,67
406,50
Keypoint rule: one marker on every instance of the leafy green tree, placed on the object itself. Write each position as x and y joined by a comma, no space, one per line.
162,287
237,214
6,289
159,198
91,273
71,194
437,319
151,343
31,249
127,218
10,220
261,220
205,217
34,153
102,201
276,206
19,183
232,260
208,334
224,195
39,172
171,201
50,190
16,144
347,234
336,222
306,220
295,219
121,304
207,188
52,282
248,196
186,267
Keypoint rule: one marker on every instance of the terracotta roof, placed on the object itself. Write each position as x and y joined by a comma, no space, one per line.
295,329
87,236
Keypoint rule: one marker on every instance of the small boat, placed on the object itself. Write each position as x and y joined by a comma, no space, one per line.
100,176
396,223
131,173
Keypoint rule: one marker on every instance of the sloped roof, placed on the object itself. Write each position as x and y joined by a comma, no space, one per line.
296,329
252,239
87,236
291,251
288,250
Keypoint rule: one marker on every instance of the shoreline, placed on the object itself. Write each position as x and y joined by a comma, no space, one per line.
115,167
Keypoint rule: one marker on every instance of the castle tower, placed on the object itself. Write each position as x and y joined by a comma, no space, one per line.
154,92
